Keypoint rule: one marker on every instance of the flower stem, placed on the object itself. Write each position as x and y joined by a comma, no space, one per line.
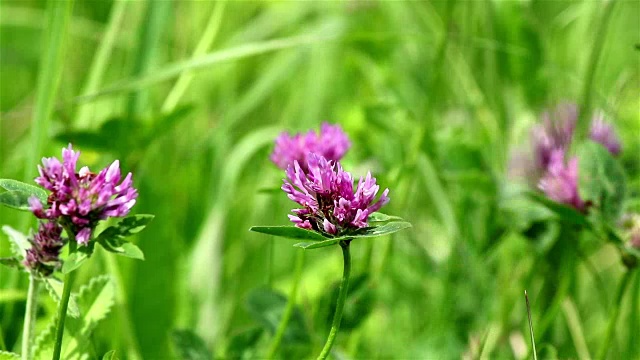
277,339
602,354
29,316
342,296
64,303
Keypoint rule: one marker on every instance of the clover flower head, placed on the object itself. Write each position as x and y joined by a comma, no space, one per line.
560,183
553,133
635,238
330,204
46,244
603,133
331,143
80,199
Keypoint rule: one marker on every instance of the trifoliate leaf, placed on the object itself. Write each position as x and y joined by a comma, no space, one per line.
126,227
95,301
601,180
19,241
14,185
54,288
18,200
290,232
11,262
380,217
268,306
73,261
189,346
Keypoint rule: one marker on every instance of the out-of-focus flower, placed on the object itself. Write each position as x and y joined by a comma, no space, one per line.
630,223
635,238
603,133
553,133
325,192
79,200
331,143
560,183
43,256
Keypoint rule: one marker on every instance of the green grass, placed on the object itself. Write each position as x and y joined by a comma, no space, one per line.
434,95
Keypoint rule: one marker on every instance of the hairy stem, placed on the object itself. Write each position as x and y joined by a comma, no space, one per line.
277,339
602,354
342,296
64,303
29,316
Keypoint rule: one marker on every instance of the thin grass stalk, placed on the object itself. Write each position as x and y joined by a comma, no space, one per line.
131,340
3,346
101,59
176,69
342,297
29,316
577,334
207,39
291,304
155,22
634,317
609,335
592,67
533,340
270,261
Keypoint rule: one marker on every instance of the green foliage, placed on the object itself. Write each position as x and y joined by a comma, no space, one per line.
360,300
94,302
289,232
15,199
435,103
19,242
602,180
73,261
54,288
320,241
123,133
189,346
267,307
5,355
374,231
18,194
114,238
242,343
14,185
110,355
564,213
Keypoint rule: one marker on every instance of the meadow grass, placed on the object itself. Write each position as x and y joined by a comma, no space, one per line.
435,96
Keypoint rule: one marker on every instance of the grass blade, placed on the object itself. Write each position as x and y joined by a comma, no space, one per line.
204,44
575,328
533,341
176,69
101,59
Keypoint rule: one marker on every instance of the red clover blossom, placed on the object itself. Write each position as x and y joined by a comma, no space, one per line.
331,143
555,132
78,200
603,133
43,256
551,140
560,183
326,193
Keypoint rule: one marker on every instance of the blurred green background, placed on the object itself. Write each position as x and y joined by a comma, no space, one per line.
435,96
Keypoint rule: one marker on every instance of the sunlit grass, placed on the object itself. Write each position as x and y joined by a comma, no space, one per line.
436,95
